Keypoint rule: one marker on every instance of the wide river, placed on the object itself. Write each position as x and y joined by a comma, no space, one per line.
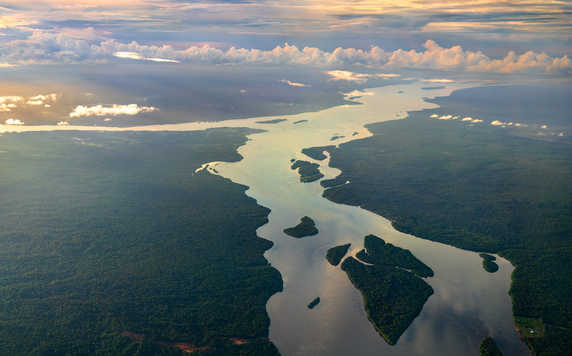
469,303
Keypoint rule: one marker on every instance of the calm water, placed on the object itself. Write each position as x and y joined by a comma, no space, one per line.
468,303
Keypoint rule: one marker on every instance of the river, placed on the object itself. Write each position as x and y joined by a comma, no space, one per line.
469,303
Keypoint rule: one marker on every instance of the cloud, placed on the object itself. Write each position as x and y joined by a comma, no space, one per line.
434,116
467,119
358,77
477,121
63,123
114,110
442,81
137,56
347,75
7,103
294,84
43,46
15,122
42,99
498,123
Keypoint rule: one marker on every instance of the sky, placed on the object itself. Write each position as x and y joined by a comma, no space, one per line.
469,34
303,46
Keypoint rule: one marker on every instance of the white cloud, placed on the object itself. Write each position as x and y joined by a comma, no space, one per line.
15,122
137,56
544,127
358,77
347,75
44,46
477,121
467,119
42,99
498,123
243,91
63,123
440,81
446,117
434,116
7,103
114,110
294,84
387,75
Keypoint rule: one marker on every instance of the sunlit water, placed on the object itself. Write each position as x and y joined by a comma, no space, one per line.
468,303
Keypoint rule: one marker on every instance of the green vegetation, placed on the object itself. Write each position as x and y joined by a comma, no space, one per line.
479,188
273,121
380,253
317,153
313,303
335,254
299,122
309,172
111,244
305,228
530,327
488,263
336,137
393,297
489,348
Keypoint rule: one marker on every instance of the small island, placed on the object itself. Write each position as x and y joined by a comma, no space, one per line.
335,254
317,153
309,172
313,303
489,348
306,227
392,295
273,121
488,263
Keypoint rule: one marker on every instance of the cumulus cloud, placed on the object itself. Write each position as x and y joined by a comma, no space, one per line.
15,122
477,121
7,103
294,84
544,127
434,116
114,110
48,47
42,99
498,123
467,119
137,56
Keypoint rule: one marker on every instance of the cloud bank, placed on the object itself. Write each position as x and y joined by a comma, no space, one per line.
47,47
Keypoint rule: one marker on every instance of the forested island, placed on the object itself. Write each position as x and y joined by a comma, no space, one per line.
309,172
489,348
125,252
392,295
489,264
316,153
480,188
306,227
314,303
335,254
